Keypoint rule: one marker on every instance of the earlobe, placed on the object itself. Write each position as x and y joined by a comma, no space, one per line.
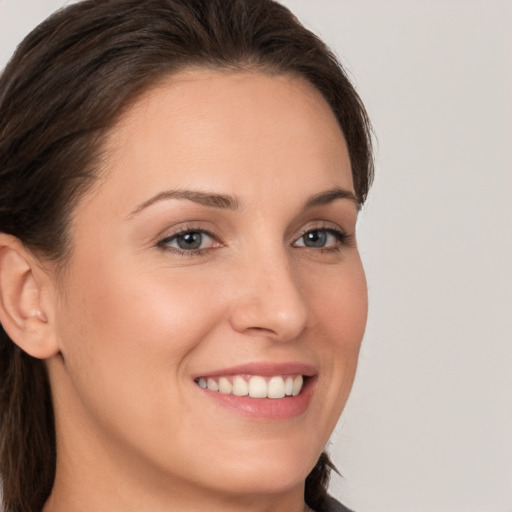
24,314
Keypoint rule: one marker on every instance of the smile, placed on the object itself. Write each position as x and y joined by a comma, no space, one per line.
255,386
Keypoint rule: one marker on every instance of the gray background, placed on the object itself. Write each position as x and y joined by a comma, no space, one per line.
429,423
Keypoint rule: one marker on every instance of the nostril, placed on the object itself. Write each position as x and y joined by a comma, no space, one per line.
260,331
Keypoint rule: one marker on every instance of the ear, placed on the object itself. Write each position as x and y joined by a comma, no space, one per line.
25,308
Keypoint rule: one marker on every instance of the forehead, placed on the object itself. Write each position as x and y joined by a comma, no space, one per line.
242,130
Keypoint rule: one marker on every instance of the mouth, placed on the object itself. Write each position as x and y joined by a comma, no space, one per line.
254,386
265,391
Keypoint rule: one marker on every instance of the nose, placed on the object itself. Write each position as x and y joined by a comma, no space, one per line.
269,300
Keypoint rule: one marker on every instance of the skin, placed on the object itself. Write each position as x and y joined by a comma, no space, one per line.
134,321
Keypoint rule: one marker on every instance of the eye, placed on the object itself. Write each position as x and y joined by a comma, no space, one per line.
188,241
321,238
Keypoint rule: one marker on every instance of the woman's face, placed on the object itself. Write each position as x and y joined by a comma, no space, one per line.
217,249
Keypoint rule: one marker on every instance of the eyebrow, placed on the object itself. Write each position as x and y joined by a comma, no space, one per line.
331,195
229,202
204,198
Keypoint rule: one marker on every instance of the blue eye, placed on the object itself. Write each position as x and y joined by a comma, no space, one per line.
321,239
188,241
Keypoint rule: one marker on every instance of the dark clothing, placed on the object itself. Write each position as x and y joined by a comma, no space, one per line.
335,506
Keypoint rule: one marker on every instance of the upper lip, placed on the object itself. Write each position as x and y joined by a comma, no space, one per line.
264,369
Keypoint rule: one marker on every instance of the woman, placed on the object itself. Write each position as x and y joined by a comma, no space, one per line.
181,294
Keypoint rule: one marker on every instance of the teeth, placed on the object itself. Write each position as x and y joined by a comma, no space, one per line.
276,387
225,386
297,385
255,386
212,384
240,387
258,387
288,386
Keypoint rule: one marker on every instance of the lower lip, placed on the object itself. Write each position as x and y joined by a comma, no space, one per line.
266,408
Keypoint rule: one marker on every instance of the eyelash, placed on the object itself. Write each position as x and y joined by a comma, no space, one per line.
343,240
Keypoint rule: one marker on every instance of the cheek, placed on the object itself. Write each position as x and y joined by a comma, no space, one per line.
126,335
348,315
340,308
340,301
121,306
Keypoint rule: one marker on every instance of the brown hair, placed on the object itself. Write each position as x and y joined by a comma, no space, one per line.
65,86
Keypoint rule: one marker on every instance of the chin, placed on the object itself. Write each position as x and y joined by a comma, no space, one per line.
268,469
